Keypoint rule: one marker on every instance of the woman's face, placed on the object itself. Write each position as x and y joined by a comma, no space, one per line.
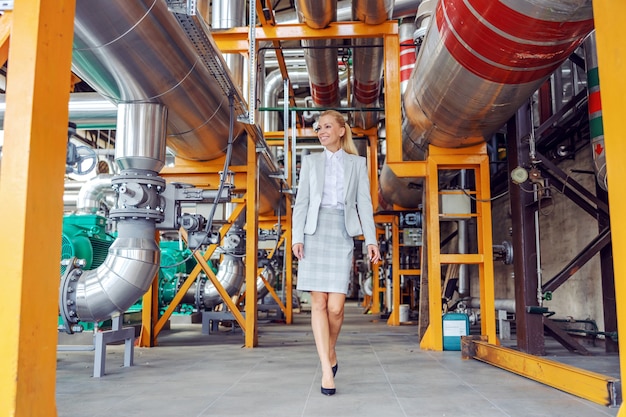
329,133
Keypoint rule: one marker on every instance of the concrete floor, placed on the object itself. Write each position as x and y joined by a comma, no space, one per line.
382,372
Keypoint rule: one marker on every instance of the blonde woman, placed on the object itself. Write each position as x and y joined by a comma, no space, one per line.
333,205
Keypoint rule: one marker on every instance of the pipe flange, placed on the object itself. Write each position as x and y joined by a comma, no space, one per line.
136,213
67,294
200,283
151,181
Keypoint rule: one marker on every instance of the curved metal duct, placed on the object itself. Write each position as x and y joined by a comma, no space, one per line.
270,276
464,88
368,60
134,258
274,87
320,55
230,274
596,128
93,193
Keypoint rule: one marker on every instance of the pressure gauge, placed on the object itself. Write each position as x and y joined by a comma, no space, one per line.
519,175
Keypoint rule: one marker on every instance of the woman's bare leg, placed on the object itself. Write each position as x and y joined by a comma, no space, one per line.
336,302
321,333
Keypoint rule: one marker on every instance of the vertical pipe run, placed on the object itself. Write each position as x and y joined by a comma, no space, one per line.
134,257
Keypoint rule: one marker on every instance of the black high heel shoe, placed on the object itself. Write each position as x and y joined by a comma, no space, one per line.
328,391
335,369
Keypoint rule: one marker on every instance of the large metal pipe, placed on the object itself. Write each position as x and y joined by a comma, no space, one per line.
463,88
320,55
368,60
138,52
95,192
134,258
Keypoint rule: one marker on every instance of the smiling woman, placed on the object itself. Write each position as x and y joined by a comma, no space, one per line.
333,206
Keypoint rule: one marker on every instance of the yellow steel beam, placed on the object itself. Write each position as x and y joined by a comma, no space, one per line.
609,22
600,389
194,272
252,245
150,309
393,112
433,336
6,20
394,317
236,40
31,204
203,174
484,236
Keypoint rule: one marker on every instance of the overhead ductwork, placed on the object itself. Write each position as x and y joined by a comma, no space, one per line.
320,55
463,88
368,61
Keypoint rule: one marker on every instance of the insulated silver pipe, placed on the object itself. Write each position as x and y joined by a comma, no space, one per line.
136,51
230,274
463,89
94,192
320,55
125,275
134,258
368,60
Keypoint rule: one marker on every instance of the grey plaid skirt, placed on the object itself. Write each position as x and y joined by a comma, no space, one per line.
327,255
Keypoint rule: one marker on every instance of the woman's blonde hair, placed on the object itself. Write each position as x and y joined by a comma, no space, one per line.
347,144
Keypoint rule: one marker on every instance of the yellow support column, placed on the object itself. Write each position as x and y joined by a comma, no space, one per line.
433,336
394,317
31,203
609,22
485,247
252,227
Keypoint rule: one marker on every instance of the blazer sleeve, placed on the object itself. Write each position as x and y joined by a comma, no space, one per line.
301,206
364,204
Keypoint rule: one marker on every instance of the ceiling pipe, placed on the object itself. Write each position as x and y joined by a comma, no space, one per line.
368,61
135,52
320,55
463,89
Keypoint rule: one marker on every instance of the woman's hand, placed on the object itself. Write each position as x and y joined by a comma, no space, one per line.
298,250
373,253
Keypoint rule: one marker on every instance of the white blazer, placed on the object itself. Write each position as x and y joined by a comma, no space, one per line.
358,211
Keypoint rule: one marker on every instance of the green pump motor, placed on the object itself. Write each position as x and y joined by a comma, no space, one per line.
85,237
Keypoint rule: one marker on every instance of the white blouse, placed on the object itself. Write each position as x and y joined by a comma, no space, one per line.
332,197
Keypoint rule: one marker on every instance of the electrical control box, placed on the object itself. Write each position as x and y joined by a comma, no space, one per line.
454,205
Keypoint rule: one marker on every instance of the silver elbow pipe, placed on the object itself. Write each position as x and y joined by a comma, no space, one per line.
93,193
270,276
230,274
134,258
125,275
